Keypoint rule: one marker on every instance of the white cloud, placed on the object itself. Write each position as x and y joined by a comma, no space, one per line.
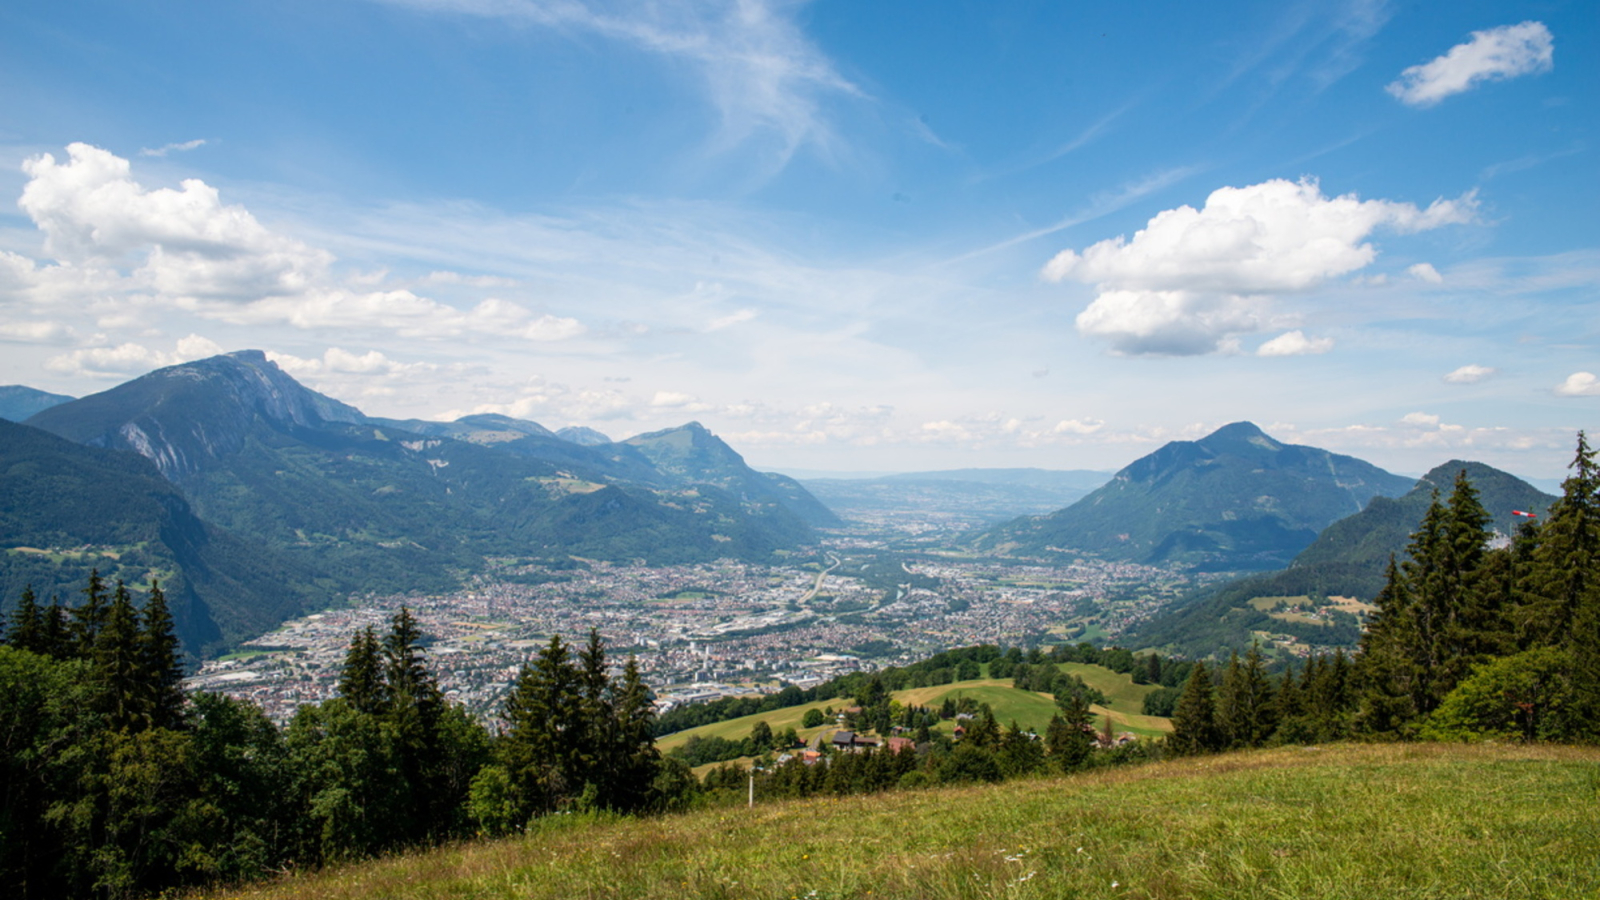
1425,272
1190,278
1579,384
1472,373
194,253
1294,343
33,332
1078,426
93,212
1420,419
1492,55
743,315
174,148
129,358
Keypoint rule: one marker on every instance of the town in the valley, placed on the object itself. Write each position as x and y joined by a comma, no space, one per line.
709,630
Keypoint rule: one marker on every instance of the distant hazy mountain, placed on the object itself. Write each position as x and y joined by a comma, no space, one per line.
693,454
1347,560
577,434
18,402
968,497
66,509
384,505
1235,499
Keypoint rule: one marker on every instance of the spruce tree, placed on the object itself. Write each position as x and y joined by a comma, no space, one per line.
1194,720
119,666
1387,668
1070,735
89,616
542,714
26,631
414,708
596,755
161,659
635,740
1566,561
361,682
1244,705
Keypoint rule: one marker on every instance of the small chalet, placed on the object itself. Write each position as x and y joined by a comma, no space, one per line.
851,742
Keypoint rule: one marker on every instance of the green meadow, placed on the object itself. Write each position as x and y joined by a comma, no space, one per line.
1027,708
1343,822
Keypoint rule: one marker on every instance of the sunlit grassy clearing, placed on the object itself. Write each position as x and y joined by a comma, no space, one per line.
1341,823
1026,708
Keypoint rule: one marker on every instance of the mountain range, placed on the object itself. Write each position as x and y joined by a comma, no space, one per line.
18,401
335,502
1234,500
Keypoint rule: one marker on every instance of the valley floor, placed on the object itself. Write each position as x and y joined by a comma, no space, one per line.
1343,821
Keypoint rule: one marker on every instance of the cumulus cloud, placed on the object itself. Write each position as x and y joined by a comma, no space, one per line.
129,358
1492,55
1190,278
92,211
1425,272
1471,373
1420,420
187,249
1579,384
1078,426
1294,343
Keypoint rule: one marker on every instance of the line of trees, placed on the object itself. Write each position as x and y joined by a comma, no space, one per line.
1473,638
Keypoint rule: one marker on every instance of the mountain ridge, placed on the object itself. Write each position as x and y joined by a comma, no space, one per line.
1235,499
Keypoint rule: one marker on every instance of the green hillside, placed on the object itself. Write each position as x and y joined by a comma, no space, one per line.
1346,560
1027,708
1345,822
1233,500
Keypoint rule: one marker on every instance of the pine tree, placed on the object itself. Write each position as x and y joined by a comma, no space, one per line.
542,716
119,666
26,630
161,661
1244,705
1386,667
89,616
1069,737
1194,720
1470,617
414,708
596,755
1566,561
635,740
361,683
56,637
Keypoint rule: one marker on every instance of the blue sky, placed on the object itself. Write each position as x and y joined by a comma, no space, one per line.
885,236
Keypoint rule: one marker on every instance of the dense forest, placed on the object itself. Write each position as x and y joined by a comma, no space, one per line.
117,784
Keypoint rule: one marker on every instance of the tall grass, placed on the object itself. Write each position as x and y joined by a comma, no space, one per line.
1357,822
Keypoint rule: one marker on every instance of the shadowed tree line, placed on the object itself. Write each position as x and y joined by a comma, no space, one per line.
115,784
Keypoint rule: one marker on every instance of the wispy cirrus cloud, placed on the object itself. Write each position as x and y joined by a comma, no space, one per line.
768,82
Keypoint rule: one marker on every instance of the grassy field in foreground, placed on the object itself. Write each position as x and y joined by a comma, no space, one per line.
1347,822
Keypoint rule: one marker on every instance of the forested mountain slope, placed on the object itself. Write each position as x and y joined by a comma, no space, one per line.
1235,499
